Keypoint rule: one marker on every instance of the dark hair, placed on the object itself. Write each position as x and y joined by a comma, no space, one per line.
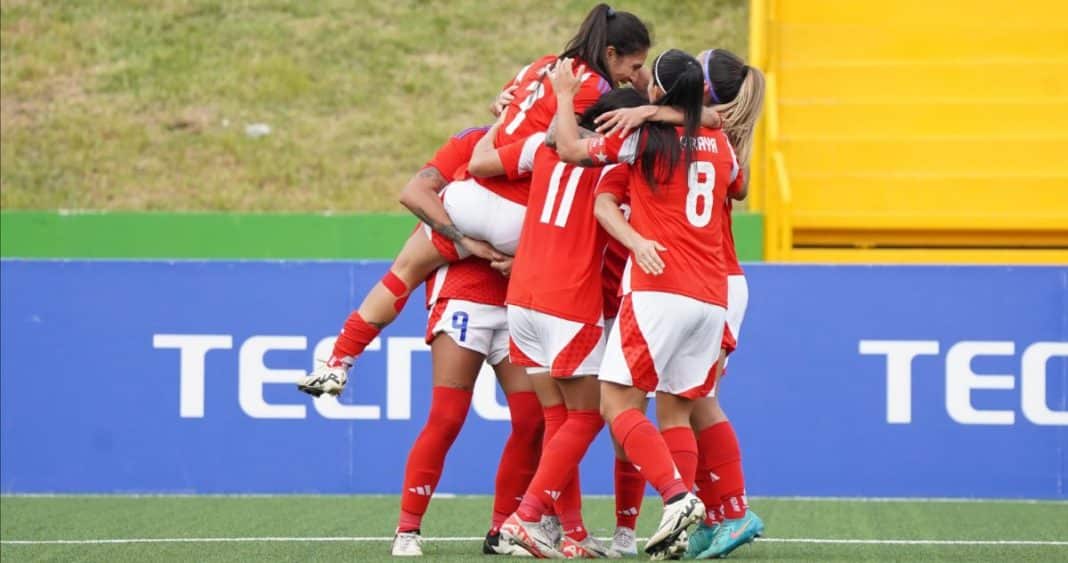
614,99
724,73
679,76
602,28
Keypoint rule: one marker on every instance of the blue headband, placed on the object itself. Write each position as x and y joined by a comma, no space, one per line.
706,57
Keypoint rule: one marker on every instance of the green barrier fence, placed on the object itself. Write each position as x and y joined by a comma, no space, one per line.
51,234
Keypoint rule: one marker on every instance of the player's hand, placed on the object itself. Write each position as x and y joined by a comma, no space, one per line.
503,99
565,79
482,249
646,254
623,120
503,266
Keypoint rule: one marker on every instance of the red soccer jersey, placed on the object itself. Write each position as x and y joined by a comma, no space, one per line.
683,213
615,260
471,279
557,268
534,105
532,111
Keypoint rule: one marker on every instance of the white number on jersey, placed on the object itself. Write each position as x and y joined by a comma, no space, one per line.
569,194
702,179
537,91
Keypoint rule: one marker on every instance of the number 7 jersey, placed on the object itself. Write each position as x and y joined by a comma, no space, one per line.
680,213
557,268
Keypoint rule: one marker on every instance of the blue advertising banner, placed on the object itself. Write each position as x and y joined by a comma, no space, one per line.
176,377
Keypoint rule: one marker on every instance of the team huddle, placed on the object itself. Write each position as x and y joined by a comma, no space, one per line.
582,246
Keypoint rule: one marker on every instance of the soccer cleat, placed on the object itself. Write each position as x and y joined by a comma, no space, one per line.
733,534
588,548
553,530
700,539
493,545
624,541
407,544
323,379
529,536
675,551
678,516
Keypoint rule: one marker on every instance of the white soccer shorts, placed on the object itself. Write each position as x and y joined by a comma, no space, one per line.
475,326
543,342
481,214
664,342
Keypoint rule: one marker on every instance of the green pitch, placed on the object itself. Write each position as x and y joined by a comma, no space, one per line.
358,528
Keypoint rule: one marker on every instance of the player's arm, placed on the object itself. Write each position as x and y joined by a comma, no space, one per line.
550,135
625,120
570,145
485,160
645,251
739,188
420,196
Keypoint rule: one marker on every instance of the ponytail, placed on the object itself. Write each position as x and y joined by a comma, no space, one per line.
680,77
737,93
605,27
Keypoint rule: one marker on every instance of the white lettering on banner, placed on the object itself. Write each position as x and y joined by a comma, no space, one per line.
899,355
484,400
961,380
193,348
1033,385
253,375
399,375
328,405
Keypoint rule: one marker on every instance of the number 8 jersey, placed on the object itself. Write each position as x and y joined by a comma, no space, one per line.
680,213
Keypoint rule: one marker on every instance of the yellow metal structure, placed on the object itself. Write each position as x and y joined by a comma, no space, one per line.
913,131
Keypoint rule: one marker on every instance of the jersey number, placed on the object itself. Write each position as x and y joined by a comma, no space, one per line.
569,194
459,322
536,93
702,179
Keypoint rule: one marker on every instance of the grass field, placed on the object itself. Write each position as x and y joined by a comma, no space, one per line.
358,528
126,104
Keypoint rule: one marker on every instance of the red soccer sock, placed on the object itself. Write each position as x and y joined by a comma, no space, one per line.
354,337
358,333
683,446
721,459
559,459
646,449
448,409
569,508
519,459
630,488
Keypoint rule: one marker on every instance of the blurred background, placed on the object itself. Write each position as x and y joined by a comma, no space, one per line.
195,193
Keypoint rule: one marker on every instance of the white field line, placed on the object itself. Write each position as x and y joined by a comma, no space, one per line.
356,539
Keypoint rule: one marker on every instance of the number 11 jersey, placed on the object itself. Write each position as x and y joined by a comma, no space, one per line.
557,268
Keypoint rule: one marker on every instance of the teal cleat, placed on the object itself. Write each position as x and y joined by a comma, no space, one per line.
732,534
701,539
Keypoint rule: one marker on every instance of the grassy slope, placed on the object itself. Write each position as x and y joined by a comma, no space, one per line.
103,517
125,104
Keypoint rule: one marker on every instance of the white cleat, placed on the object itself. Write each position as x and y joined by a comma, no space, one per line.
553,530
407,544
323,379
530,536
624,541
589,548
677,516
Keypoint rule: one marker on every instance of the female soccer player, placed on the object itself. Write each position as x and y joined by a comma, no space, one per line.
736,91
555,320
671,321
483,218
467,326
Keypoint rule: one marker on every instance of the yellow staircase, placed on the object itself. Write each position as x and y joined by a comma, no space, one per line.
913,131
